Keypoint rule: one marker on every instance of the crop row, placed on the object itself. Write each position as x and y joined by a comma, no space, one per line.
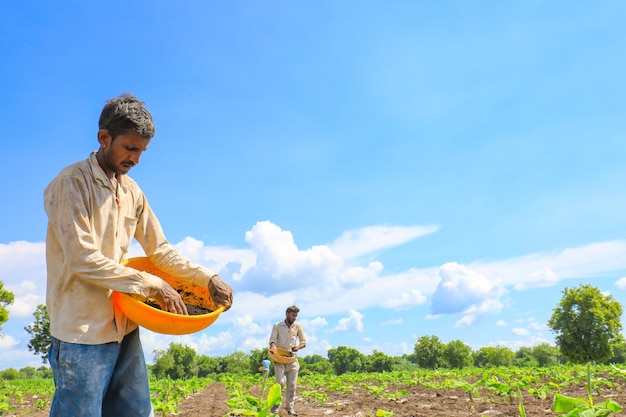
506,382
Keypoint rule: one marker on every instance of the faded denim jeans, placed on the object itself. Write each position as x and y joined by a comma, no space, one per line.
107,380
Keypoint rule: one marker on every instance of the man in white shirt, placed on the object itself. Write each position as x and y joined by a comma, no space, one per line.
94,211
287,335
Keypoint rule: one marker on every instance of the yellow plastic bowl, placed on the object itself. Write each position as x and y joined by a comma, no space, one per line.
162,321
282,356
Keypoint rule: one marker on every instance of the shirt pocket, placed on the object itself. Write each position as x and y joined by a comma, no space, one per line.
293,335
127,233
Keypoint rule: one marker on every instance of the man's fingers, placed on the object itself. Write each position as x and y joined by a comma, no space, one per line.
170,301
221,293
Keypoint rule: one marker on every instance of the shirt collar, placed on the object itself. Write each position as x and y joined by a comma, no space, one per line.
101,176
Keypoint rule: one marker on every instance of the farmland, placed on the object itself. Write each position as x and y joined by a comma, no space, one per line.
467,392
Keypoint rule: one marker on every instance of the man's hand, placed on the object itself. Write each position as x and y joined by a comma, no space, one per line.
221,292
169,300
273,348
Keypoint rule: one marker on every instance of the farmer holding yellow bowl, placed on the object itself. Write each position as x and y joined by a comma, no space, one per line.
286,339
94,211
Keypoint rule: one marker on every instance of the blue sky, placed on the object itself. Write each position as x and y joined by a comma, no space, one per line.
396,169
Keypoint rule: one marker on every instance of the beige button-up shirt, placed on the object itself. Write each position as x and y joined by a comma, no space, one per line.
286,337
89,232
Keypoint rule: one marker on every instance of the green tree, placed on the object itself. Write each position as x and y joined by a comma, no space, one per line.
429,352
28,372
404,363
524,358
178,362
256,357
6,298
586,322
44,372
546,355
379,362
346,359
40,332
10,374
315,364
457,355
208,365
238,363
618,347
491,357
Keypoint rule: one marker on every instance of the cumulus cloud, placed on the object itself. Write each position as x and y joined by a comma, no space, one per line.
355,243
354,322
353,276
533,325
324,280
464,290
23,271
7,341
406,300
518,331
279,262
621,283
546,269
314,324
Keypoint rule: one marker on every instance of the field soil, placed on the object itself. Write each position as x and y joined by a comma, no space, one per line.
420,401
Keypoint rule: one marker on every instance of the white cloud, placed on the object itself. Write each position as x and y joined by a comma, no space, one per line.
23,271
7,341
546,269
621,283
314,324
406,300
394,322
355,243
465,321
463,290
281,265
27,297
545,277
533,325
518,331
357,274
23,267
247,327
274,273
354,322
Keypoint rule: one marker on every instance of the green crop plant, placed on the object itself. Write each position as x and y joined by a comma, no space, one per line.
509,390
316,396
470,388
520,407
248,405
241,403
167,393
396,395
375,390
584,407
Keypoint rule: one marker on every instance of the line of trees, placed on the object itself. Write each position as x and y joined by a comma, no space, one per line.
587,325
180,362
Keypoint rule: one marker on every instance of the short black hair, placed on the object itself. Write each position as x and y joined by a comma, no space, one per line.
293,309
126,113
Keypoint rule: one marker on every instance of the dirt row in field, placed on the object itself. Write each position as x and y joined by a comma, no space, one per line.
420,401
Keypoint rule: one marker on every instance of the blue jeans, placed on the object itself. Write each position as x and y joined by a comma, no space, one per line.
107,380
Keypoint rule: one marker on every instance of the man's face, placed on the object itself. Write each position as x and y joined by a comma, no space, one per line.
291,317
123,153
